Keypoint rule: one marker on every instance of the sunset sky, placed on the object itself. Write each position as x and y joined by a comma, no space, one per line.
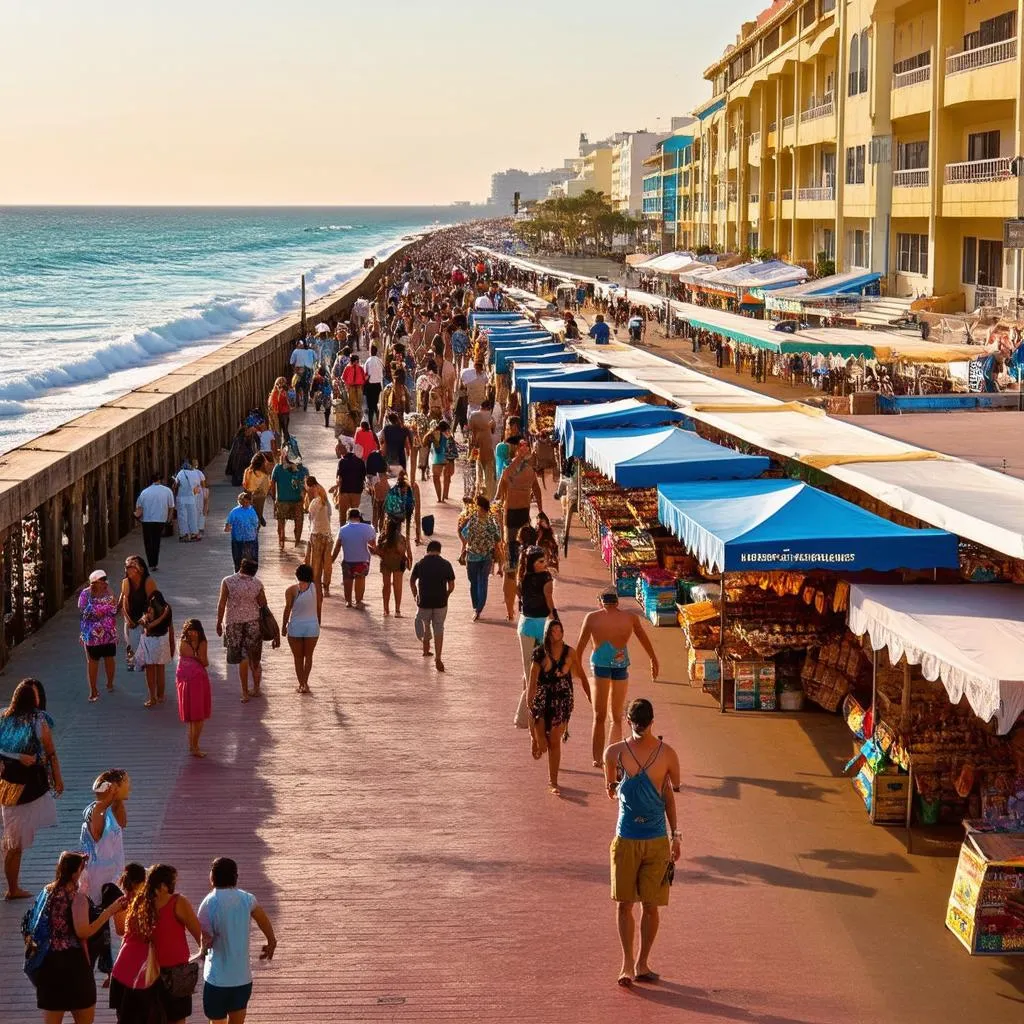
331,101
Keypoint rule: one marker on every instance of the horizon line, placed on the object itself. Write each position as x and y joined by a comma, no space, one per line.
237,206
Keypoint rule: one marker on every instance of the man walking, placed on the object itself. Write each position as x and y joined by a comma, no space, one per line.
646,839
611,628
357,541
481,540
481,437
518,488
243,523
225,916
286,487
475,382
154,508
374,385
351,479
432,580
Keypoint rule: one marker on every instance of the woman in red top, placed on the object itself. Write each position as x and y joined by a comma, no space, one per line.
279,408
366,439
160,917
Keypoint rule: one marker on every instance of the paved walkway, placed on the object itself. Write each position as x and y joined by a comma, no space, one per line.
402,839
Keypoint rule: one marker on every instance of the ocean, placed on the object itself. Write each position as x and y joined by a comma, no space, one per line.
96,301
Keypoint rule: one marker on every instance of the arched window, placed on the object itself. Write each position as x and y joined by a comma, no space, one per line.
854,65
865,51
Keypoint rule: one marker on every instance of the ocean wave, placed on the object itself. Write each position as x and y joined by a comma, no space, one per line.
8,408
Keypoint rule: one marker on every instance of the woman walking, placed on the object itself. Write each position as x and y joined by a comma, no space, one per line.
156,648
97,608
515,567
443,454
550,698
154,958
136,588
64,979
536,606
279,408
481,543
393,549
239,621
192,681
301,623
256,480
547,542
28,759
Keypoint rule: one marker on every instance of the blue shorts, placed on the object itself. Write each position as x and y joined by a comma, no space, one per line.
303,628
218,1002
616,673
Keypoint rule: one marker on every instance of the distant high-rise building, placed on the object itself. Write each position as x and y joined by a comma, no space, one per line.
531,186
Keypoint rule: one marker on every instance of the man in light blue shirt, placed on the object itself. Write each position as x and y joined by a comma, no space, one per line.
225,917
600,331
243,523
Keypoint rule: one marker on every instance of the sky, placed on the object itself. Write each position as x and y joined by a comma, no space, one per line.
331,102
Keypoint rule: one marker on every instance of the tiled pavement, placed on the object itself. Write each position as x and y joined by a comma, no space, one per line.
402,839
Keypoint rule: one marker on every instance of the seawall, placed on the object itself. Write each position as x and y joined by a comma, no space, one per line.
67,496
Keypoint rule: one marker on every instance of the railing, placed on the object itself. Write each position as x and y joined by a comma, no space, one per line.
772,125
824,109
912,178
972,171
755,140
787,193
913,77
753,199
788,121
816,195
981,56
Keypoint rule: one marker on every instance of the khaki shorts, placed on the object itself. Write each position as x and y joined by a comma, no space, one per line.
639,870
285,511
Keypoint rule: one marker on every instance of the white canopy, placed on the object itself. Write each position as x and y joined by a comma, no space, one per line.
969,636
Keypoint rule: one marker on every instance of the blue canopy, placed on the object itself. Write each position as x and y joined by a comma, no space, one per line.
524,353
765,525
509,328
583,391
522,372
520,338
483,316
552,359
578,423
645,458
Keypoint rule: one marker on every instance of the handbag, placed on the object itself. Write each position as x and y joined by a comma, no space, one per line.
268,625
522,719
13,776
180,980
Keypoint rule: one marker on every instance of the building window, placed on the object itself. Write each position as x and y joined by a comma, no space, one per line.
990,263
855,165
912,156
912,254
969,264
983,146
828,243
860,247
865,50
753,241
993,30
854,66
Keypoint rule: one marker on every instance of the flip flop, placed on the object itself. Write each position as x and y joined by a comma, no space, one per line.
649,976
95,697
625,981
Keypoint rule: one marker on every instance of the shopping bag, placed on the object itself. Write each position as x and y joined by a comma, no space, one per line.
522,719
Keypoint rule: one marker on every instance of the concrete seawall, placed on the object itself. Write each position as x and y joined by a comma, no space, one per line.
69,495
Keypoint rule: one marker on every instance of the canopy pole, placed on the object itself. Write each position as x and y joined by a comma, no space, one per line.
874,690
721,648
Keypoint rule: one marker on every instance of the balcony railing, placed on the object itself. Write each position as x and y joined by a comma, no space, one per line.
755,140
754,198
973,171
913,77
787,193
815,195
788,121
912,178
772,125
981,56
823,109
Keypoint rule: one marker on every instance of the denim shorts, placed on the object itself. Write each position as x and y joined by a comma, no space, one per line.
219,1001
616,673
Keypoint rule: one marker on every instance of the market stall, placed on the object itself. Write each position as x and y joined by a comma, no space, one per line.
573,423
774,547
504,357
523,372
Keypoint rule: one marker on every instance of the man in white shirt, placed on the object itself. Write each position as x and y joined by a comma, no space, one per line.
474,380
360,317
187,494
153,509
303,360
484,303
374,367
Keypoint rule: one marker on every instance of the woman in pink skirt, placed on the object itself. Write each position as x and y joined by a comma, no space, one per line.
194,697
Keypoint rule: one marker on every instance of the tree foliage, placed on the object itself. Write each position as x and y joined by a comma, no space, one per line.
576,223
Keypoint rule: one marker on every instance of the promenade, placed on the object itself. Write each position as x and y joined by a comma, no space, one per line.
402,840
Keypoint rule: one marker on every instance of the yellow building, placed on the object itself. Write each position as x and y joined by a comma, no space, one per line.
596,172
878,133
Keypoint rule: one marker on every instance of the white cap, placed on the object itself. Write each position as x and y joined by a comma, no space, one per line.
96,575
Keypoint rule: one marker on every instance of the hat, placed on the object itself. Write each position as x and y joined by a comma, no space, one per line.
323,328
610,596
97,574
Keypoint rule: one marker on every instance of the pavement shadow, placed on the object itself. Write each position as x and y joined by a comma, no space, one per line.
698,1000
730,787
575,870
734,870
848,860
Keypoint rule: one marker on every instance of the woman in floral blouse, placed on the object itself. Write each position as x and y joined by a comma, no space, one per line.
97,606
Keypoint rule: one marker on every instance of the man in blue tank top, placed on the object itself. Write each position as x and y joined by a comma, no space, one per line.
641,773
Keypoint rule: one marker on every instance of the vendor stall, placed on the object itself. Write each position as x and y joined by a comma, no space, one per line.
504,357
781,537
572,423
523,372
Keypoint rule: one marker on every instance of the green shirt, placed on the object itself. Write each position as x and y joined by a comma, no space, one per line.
289,484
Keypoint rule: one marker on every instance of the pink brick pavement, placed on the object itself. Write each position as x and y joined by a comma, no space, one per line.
402,839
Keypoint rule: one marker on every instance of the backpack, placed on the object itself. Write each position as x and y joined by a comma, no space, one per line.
35,929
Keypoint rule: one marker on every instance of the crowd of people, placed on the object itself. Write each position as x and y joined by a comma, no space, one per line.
422,404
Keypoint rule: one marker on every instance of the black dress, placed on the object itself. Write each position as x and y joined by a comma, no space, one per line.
553,701
65,981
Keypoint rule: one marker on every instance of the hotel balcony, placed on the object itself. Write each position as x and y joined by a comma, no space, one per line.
817,123
911,195
786,210
753,206
985,73
789,130
818,203
980,188
754,149
732,156
772,140
911,92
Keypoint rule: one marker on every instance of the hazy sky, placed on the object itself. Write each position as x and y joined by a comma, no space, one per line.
331,101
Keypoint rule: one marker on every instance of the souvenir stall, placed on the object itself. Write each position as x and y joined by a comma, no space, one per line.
948,690
544,396
774,549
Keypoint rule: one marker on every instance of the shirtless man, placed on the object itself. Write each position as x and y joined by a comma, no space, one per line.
481,437
610,629
646,839
517,488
